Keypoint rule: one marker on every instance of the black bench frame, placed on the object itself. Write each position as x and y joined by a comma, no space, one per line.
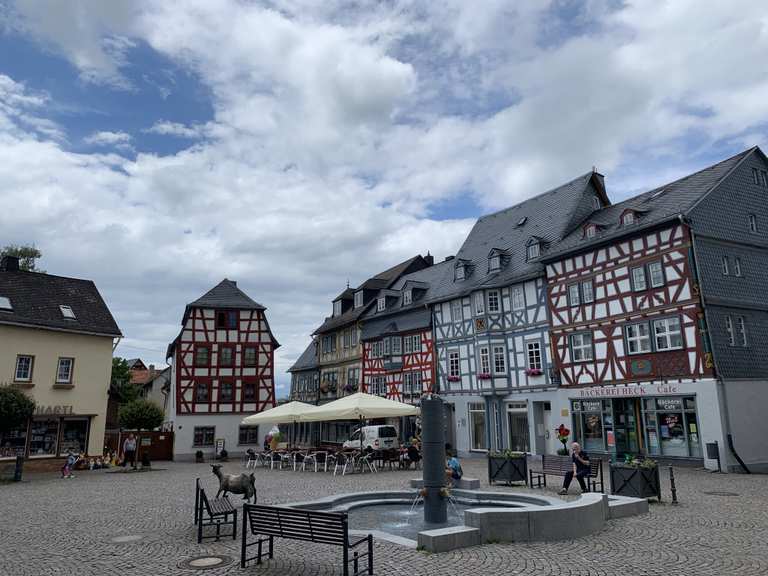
560,466
270,522
215,512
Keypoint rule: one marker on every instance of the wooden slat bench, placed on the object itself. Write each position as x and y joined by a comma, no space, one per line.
269,522
213,512
560,465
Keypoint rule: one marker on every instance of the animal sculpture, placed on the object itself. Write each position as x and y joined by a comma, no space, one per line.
235,483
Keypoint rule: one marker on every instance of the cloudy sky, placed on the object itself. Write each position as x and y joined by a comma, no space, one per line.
158,147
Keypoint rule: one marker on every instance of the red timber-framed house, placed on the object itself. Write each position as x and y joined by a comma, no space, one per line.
634,308
222,369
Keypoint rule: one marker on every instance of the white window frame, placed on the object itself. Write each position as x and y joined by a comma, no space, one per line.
457,314
656,274
387,343
337,308
534,356
533,251
5,303
407,297
407,345
381,304
499,359
518,298
358,298
496,308
667,334
494,263
638,338
636,281
590,231
752,219
67,312
397,346
479,303
737,267
485,360
587,292
724,266
416,346
70,362
454,364
741,330
472,409
756,176
729,330
596,203
581,347
628,218
574,297
354,337
460,272
30,368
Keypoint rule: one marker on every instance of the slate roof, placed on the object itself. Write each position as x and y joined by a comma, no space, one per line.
307,360
414,318
226,294
652,208
36,297
381,280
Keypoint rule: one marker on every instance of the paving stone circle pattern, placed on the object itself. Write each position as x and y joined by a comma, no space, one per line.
103,523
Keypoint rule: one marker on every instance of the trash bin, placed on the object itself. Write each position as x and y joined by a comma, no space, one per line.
713,452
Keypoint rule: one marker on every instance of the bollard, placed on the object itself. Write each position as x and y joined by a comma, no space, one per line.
672,485
19,467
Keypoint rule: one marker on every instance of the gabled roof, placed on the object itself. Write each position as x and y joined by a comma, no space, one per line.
226,294
380,281
307,360
36,299
653,207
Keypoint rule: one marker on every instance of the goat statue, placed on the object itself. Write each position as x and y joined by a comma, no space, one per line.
235,483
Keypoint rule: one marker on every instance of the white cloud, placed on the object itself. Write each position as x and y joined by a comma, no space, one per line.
337,127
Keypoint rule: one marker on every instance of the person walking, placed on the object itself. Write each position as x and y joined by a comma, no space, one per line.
129,451
580,461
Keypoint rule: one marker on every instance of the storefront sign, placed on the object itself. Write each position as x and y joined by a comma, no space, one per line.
58,410
611,438
626,391
670,404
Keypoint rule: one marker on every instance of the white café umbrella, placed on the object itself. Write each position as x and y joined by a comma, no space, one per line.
289,413
359,406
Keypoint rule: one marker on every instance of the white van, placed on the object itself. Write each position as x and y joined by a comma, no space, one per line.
374,437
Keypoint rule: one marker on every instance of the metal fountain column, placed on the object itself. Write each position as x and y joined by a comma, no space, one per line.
433,453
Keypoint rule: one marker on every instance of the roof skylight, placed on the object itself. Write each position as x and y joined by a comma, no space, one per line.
522,220
67,312
5,303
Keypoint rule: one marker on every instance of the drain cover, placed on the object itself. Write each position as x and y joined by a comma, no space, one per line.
205,562
126,539
718,493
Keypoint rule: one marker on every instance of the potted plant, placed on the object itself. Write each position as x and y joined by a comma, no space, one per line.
636,477
453,378
199,458
16,408
534,371
507,466
562,434
484,376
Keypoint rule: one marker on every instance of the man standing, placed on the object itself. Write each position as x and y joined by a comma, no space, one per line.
580,469
129,451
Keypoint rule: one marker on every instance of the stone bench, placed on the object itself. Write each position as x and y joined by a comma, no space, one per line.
465,483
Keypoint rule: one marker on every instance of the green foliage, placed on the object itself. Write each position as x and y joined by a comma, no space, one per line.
27,256
507,454
631,462
121,381
15,408
140,415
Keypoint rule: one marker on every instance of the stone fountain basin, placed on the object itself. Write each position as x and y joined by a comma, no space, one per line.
495,516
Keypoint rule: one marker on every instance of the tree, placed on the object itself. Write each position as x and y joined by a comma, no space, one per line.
15,408
121,381
27,255
140,414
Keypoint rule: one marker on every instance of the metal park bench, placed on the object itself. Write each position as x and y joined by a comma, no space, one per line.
560,466
213,512
270,522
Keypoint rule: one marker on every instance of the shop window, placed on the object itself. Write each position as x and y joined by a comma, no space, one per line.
248,435
13,442
204,435
24,368
64,370
226,391
43,437
477,426
638,338
249,356
592,422
668,335
74,436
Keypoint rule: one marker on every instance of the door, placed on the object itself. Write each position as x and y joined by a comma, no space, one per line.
626,427
518,431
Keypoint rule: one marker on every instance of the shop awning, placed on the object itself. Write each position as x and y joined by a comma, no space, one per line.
283,414
359,406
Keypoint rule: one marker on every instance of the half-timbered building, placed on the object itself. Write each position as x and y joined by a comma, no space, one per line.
490,321
222,368
651,300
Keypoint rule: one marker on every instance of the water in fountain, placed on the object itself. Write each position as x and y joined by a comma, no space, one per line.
415,503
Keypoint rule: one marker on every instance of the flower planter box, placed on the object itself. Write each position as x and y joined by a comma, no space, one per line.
11,470
635,482
507,469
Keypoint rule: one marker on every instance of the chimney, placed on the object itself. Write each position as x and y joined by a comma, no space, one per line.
449,258
9,264
151,370
429,259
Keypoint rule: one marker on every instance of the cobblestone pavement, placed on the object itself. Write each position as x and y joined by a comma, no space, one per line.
50,526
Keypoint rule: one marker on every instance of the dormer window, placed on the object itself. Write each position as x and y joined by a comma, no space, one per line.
67,312
494,263
5,304
460,272
628,218
337,308
381,304
407,297
533,251
522,220
596,203
590,231
358,298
